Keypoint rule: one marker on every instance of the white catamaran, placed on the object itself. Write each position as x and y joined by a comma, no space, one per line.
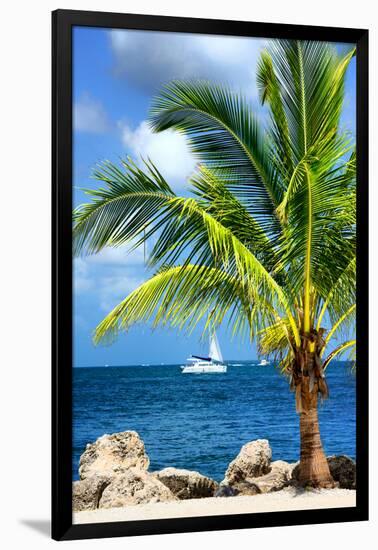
212,363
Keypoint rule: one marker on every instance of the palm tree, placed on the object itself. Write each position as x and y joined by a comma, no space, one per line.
265,242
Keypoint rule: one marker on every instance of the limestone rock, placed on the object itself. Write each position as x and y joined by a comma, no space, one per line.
86,494
295,473
343,470
226,491
246,488
252,461
278,477
132,487
186,484
113,454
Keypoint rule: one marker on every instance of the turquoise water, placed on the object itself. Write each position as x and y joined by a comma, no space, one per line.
201,421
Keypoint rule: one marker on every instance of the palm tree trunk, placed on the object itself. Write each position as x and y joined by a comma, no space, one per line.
313,469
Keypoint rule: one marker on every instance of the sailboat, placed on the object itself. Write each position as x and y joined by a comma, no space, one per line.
212,363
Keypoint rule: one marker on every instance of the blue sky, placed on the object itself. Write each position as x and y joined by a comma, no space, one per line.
116,72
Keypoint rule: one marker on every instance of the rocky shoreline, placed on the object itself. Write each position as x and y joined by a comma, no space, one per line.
114,474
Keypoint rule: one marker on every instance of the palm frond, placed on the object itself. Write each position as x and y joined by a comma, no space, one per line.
311,76
342,294
315,210
128,205
345,322
275,339
339,350
277,342
224,134
271,93
182,297
222,205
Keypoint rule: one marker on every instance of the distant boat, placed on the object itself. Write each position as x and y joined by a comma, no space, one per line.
211,364
263,363
106,365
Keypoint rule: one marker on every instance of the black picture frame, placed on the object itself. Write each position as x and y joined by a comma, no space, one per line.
62,23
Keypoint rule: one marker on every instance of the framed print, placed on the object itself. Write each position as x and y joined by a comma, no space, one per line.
210,361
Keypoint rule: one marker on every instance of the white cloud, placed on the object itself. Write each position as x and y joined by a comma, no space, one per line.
108,276
229,50
81,280
90,116
112,290
168,150
120,256
149,59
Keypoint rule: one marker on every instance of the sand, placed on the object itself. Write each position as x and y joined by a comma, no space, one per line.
287,499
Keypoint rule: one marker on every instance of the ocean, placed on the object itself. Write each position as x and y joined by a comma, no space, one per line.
200,422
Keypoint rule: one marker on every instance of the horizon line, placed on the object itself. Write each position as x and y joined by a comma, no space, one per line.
237,361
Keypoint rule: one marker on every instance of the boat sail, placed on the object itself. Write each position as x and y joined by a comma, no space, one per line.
212,363
215,351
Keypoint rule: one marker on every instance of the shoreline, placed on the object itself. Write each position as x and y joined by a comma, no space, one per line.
280,501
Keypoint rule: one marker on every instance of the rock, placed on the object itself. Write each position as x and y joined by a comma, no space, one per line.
278,477
186,484
294,469
113,454
226,491
87,493
343,470
246,488
252,461
295,473
134,486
